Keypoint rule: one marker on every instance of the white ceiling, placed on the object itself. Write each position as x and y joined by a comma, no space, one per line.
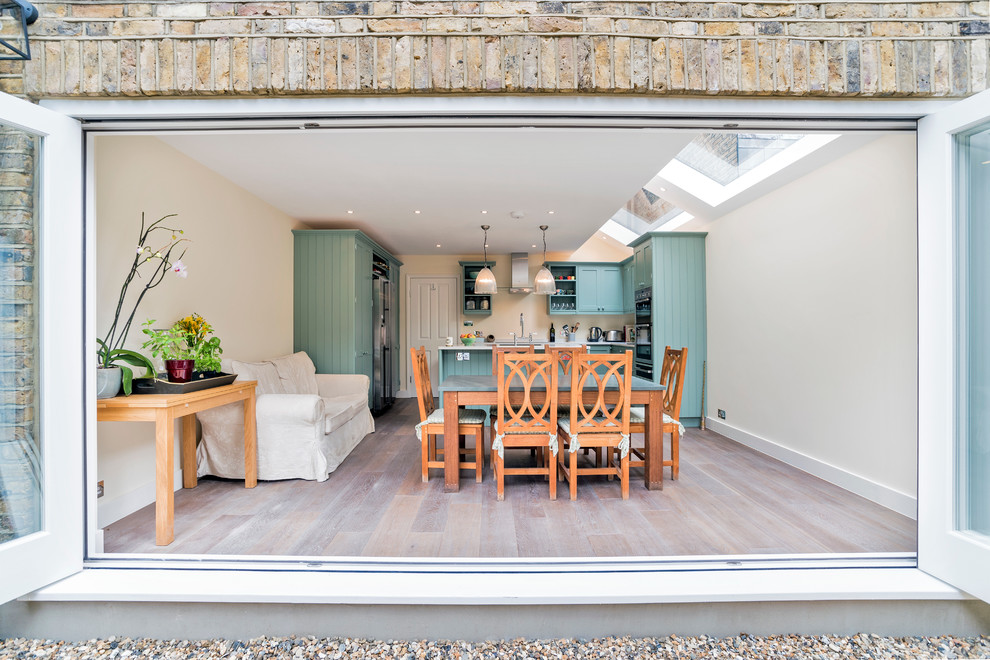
449,175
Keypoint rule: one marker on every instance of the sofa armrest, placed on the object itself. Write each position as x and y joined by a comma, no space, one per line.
331,385
275,408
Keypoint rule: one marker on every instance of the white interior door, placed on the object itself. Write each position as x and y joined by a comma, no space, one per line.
41,347
954,345
432,318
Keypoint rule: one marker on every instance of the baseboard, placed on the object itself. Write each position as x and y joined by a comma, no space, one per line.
111,511
895,500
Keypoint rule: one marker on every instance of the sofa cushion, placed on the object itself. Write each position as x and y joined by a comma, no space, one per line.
298,373
341,409
264,372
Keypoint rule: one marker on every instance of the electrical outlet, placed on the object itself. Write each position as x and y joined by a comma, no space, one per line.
721,414
99,489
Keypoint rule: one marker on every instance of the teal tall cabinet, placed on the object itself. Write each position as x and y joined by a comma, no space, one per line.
673,264
332,300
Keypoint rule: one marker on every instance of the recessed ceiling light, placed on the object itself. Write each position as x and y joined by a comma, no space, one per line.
438,245
486,244
533,245
550,212
350,211
416,212
484,212
661,190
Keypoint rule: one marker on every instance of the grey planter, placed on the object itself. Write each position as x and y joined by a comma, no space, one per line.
107,382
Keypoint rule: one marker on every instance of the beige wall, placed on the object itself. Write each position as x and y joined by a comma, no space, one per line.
506,307
239,278
812,317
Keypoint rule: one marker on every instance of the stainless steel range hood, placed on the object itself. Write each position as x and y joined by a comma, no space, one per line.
520,273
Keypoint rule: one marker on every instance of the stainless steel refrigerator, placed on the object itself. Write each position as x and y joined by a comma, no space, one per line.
382,379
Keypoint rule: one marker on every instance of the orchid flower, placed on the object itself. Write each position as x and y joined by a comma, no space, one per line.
179,268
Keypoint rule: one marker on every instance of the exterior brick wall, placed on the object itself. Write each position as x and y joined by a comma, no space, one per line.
20,470
176,48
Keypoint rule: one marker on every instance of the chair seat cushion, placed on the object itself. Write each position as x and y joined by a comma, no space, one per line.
464,416
342,409
637,415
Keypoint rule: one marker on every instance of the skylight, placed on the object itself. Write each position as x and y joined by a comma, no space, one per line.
711,172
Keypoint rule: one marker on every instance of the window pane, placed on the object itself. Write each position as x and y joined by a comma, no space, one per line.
974,207
20,445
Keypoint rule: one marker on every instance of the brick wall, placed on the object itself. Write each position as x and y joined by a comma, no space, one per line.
20,471
175,48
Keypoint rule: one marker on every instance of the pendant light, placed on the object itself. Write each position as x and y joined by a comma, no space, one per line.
544,278
485,282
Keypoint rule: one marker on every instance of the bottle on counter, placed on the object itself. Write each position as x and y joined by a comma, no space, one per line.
552,333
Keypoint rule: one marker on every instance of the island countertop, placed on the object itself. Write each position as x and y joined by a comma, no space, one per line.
484,346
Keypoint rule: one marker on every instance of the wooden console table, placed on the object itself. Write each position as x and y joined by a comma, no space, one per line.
163,410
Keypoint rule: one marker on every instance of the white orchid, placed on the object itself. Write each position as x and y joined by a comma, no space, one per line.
179,268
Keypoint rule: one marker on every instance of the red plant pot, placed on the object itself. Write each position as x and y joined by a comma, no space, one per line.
179,371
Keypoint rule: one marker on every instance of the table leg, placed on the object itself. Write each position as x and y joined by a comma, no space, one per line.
164,476
189,451
250,443
654,441
451,454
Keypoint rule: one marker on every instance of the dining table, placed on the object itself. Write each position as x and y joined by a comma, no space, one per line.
457,391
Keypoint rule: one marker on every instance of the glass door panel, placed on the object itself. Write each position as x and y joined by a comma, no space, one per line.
973,460
42,384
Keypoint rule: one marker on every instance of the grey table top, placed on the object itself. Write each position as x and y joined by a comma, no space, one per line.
489,384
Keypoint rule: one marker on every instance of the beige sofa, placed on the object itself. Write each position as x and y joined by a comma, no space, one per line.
307,422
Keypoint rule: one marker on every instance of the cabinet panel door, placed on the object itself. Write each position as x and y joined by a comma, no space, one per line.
647,263
610,289
587,289
362,302
628,288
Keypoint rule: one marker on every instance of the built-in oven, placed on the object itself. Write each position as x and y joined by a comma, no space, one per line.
643,369
644,306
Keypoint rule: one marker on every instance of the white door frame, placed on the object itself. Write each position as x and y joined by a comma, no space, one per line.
958,557
64,386
716,578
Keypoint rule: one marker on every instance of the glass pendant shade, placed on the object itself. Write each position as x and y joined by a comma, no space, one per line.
544,282
485,282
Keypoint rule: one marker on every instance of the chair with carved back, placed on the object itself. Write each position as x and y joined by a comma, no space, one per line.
469,422
565,358
601,390
672,377
526,416
503,350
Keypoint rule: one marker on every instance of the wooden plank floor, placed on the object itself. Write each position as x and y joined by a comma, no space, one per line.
729,499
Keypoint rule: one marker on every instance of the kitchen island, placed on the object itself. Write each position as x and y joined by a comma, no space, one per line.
476,360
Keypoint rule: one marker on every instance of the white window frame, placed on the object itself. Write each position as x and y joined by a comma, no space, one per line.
57,549
701,579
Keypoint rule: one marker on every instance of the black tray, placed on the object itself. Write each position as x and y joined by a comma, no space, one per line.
161,385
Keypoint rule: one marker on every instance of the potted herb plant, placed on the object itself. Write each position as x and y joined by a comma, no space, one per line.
185,347
150,265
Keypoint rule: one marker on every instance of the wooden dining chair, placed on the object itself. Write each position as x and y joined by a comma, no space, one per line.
526,416
565,356
469,422
672,377
507,350
599,418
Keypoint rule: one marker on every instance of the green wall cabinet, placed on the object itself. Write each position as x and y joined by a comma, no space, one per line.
471,302
599,289
675,262
642,265
628,290
332,316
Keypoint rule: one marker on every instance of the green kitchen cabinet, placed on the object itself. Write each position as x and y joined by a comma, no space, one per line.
599,289
675,262
642,265
474,303
628,290
332,299
563,301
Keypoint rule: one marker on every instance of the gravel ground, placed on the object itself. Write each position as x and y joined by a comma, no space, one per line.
742,646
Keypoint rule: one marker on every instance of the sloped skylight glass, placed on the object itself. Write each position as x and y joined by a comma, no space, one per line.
724,157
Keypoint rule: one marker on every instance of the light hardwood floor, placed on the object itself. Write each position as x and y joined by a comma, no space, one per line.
729,499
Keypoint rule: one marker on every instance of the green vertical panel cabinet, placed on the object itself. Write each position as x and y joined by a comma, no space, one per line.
628,289
677,275
587,289
332,315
